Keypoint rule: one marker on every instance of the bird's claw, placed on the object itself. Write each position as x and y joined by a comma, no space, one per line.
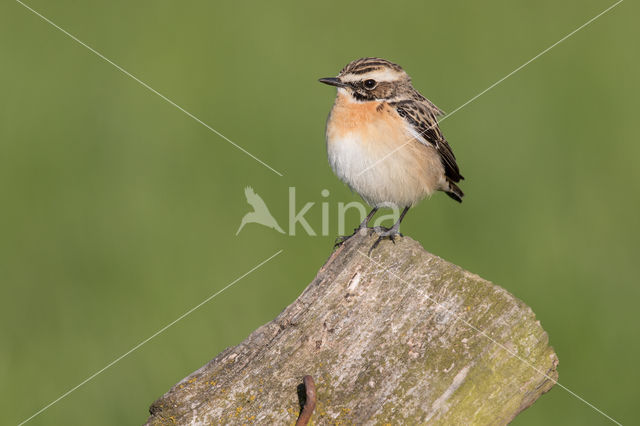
382,232
390,233
340,240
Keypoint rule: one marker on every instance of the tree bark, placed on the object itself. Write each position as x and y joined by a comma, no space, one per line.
399,337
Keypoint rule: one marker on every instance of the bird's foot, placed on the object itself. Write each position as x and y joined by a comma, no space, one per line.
343,238
388,233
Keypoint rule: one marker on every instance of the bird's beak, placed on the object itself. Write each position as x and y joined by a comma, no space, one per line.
332,81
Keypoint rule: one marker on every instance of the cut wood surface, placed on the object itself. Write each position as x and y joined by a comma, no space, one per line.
401,337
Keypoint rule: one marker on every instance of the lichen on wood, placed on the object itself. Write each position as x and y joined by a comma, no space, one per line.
399,337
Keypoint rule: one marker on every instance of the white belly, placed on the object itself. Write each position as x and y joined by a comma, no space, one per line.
385,173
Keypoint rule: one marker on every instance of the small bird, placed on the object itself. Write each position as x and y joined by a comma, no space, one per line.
260,213
384,142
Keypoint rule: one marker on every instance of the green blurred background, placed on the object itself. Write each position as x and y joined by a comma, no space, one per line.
118,212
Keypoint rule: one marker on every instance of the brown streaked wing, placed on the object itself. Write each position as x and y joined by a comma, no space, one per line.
422,116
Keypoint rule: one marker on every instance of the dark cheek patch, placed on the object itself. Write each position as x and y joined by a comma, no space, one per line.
383,91
361,97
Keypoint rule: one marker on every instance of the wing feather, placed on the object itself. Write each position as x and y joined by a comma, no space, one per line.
421,115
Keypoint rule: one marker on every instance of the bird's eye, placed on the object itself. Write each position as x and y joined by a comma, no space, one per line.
369,84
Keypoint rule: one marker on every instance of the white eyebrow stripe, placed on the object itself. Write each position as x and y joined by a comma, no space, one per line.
385,74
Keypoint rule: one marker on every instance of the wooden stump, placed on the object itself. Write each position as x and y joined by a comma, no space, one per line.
399,337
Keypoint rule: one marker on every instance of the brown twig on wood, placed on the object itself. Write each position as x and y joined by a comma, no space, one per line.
310,401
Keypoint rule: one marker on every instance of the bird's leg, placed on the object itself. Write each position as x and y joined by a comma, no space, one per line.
389,233
366,220
341,239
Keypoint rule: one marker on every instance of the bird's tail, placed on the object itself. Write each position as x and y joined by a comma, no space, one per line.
454,191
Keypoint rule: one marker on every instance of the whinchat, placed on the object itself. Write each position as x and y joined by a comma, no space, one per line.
384,142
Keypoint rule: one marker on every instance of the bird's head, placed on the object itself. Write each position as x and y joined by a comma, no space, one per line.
372,79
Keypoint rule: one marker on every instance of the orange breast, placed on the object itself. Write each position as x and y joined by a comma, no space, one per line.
370,148
372,121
